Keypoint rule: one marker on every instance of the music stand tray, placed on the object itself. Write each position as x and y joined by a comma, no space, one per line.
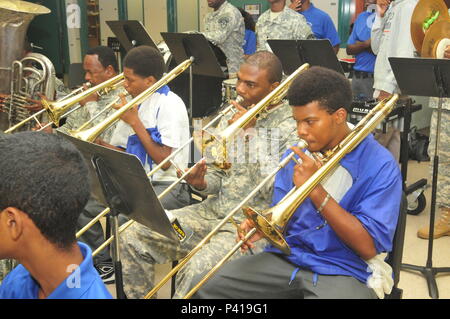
185,45
131,33
434,75
294,53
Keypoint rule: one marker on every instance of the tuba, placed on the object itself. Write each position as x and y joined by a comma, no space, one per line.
33,74
15,17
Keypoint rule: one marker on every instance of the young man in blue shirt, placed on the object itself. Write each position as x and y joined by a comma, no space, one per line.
320,22
337,233
358,44
44,187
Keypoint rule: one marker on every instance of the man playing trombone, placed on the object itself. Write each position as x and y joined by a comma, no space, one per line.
141,248
336,235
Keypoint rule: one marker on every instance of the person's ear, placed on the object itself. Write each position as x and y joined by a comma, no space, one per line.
110,71
274,85
13,220
150,80
340,115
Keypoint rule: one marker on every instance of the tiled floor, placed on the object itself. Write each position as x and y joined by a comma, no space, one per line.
413,283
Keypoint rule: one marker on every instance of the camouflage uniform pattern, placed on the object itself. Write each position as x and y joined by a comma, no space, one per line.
225,29
90,109
141,248
443,185
289,25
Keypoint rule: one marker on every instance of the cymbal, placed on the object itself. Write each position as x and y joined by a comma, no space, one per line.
438,31
423,11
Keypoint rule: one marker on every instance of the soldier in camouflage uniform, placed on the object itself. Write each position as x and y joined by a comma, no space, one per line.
225,28
281,22
442,226
142,248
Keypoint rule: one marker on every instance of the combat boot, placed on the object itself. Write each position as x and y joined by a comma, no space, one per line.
441,227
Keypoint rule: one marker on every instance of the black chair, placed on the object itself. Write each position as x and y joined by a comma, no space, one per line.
395,256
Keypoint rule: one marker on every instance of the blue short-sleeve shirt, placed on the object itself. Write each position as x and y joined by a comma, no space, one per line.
365,60
82,283
321,24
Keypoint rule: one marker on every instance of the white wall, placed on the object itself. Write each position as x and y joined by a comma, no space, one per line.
155,18
108,12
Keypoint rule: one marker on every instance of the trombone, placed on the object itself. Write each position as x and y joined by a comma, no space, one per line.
229,108
57,110
275,96
218,144
272,222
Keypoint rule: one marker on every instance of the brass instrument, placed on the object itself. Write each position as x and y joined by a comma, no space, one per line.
154,170
272,98
63,107
91,134
15,17
217,145
273,221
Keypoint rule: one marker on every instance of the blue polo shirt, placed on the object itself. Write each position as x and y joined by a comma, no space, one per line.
249,42
365,60
321,24
83,283
374,198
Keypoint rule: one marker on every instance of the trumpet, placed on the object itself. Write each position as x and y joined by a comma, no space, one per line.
59,109
272,222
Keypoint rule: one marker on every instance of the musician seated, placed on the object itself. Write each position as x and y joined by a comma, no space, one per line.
337,234
41,197
152,129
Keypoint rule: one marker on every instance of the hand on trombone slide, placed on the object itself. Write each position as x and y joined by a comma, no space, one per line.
304,170
196,177
131,116
240,112
243,229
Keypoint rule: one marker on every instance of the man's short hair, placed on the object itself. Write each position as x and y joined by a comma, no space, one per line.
145,61
105,55
46,177
328,87
268,61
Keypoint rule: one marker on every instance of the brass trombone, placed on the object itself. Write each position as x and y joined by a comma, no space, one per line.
272,222
218,144
57,110
273,97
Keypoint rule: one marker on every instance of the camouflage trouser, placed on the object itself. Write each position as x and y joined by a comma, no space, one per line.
6,265
142,248
443,186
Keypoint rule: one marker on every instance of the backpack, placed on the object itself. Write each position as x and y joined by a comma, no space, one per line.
418,145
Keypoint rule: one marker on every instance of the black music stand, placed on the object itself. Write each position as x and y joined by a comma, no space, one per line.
206,62
131,33
434,75
119,181
294,53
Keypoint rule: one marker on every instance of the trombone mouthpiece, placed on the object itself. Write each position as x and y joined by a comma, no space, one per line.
302,144
239,99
